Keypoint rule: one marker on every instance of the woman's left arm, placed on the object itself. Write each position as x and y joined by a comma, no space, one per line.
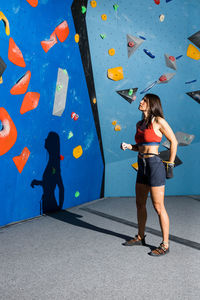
169,134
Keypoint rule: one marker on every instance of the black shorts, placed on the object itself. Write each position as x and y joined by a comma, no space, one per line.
151,171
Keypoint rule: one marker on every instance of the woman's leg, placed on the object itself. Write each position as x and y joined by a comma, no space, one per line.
142,191
157,196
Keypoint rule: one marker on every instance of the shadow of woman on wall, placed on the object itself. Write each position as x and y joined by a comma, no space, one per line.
51,176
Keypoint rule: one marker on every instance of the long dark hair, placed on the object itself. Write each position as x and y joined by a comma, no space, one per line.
155,108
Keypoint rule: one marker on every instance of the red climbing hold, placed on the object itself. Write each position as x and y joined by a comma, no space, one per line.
46,45
30,102
62,31
172,58
21,160
8,134
163,78
131,44
33,3
22,84
15,54
157,2
61,157
74,116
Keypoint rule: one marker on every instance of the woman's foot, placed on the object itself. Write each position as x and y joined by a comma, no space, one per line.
161,250
136,241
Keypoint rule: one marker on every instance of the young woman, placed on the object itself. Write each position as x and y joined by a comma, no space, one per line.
151,170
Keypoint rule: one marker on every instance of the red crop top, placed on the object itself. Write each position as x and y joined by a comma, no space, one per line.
146,136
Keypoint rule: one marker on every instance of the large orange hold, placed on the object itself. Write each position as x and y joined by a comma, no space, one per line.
22,84
30,102
8,134
21,160
115,73
15,54
46,45
33,3
62,31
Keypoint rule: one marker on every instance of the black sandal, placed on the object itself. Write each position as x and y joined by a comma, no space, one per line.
135,242
161,250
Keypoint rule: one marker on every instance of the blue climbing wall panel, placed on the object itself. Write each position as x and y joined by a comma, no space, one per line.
81,177
142,18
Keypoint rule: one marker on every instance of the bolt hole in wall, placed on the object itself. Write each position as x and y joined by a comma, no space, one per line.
157,49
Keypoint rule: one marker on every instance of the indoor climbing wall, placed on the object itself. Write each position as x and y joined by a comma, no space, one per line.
50,145
138,47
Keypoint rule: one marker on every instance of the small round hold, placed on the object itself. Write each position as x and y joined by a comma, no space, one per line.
114,123
172,58
93,3
94,100
111,51
76,37
131,44
104,17
162,17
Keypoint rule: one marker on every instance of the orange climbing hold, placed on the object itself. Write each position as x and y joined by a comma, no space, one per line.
15,54
46,45
93,3
77,152
21,160
111,51
193,52
8,134
115,73
62,31
30,102
104,17
33,3
117,128
135,166
22,84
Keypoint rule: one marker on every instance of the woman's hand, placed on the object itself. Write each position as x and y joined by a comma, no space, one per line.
125,146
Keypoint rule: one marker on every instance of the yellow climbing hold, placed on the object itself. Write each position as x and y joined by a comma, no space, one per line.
78,151
94,100
135,166
104,17
114,123
111,51
1,79
193,52
93,3
76,37
115,73
117,128
6,23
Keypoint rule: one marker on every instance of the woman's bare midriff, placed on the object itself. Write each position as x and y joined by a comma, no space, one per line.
148,149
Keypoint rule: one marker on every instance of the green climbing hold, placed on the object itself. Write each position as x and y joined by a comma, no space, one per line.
130,92
65,71
77,194
83,9
115,6
70,135
102,36
59,87
53,171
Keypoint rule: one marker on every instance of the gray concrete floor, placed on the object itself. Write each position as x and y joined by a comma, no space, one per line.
78,254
